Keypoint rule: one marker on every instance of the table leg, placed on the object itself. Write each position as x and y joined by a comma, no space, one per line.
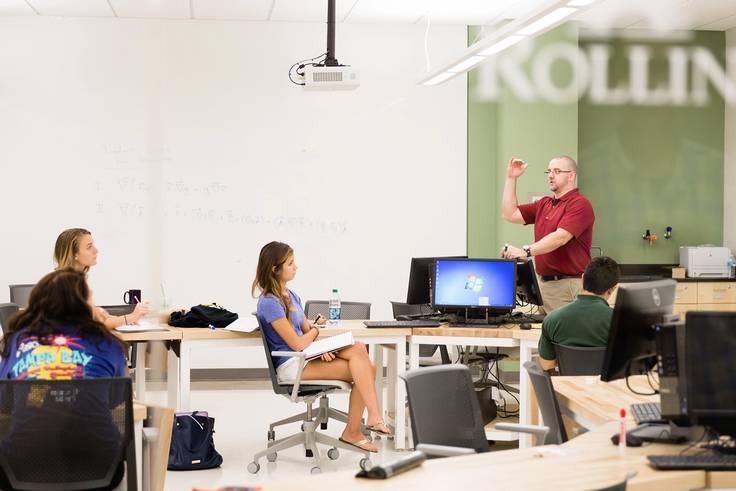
399,391
140,371
377,355
525,396
138,439
173,371
185,368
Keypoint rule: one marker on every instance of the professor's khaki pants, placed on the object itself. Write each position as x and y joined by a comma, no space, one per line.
560,292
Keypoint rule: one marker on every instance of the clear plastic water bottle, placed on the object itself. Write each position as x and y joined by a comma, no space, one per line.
334,312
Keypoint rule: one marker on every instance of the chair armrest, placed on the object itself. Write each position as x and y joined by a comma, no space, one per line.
302,362
539,431
443,450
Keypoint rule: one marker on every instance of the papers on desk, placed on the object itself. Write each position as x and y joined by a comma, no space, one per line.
143,325
333,343
241,325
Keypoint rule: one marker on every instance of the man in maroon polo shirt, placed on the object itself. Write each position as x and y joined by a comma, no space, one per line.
563,230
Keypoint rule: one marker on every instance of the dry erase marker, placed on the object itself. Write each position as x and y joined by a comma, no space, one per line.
622,433
211,326
316,319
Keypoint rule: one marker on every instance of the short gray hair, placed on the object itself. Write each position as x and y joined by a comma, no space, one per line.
568,160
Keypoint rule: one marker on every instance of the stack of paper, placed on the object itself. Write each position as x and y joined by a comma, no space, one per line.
142,325
333,343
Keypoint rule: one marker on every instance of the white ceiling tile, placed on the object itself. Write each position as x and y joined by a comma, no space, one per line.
253,10
722,24
15,7
464,12
72,8
309,10
155,9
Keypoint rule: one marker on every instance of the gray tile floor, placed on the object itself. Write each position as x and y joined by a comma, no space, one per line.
242,412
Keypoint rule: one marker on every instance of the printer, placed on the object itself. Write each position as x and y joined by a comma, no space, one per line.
705,261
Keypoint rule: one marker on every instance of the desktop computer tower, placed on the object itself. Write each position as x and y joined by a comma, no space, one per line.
670,339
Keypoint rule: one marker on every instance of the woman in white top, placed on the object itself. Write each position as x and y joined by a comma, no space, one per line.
75,249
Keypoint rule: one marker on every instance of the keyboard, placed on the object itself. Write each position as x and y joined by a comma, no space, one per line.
710,462
646,412
411,323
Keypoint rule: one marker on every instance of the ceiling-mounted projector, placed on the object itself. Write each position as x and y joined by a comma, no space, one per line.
324,72
330,77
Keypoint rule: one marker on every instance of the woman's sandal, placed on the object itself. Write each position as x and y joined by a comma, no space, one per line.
380,428
360,444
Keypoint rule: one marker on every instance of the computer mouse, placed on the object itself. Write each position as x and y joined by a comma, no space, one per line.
525,325
631,440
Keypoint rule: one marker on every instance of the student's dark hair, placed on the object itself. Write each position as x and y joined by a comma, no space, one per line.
59,299
600,275
270,261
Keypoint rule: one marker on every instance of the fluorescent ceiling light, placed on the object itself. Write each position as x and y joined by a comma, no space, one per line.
501,45
580,3
546,21
466,64
439,78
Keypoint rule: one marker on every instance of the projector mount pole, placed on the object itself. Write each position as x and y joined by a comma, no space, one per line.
330,60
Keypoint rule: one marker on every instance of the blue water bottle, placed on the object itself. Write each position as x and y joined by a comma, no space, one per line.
334,312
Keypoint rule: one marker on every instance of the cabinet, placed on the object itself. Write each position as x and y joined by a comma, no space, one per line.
700,295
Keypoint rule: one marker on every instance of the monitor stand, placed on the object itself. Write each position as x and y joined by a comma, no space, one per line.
666,433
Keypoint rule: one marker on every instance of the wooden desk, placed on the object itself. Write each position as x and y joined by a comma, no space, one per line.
505,336
591,402
393,339
587,462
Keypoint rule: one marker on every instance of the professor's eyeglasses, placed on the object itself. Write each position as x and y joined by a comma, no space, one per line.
556,172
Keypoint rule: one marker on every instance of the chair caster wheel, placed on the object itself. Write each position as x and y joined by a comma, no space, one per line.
323,426
333,453
272,457
315,470
254,467
309,453
366,464
271,435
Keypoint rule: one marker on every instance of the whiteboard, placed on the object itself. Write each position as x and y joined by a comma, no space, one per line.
184,148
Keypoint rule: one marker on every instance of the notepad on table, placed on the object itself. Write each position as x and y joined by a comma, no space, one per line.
141,326
333,343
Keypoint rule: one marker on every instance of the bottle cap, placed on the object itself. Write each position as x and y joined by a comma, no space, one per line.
334,290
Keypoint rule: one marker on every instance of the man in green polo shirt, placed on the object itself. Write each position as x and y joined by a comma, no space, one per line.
585,321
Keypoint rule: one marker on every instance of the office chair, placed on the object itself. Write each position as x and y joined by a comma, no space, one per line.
308,393
425,350
445,414
19,294
547,401
66,434
348,310
579,360
6,311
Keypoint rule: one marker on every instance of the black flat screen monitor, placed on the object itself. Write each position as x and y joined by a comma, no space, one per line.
631,347
710,367
420,279
527,287
475,283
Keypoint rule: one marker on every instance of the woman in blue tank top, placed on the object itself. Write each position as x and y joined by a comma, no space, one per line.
286,328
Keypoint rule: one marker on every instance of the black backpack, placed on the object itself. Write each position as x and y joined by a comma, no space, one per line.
203,316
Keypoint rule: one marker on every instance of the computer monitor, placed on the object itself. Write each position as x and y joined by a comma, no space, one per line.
420,279
710,339
527,287
489,284
631,347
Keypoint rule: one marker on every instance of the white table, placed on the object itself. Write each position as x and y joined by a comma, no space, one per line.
391,340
